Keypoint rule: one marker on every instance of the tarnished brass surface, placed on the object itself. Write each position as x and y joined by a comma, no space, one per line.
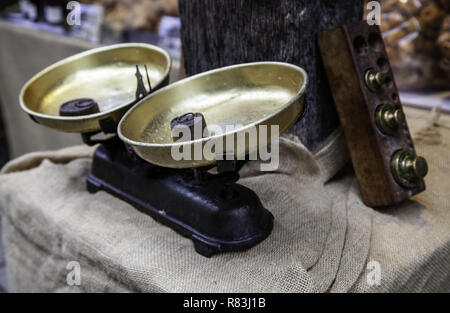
388,118
408,169
105,74
253,94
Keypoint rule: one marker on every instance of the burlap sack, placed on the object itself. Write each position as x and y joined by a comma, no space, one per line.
322,240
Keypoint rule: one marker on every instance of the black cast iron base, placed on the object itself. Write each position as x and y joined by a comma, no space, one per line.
215,212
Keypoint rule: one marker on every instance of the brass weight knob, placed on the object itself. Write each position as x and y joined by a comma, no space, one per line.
388,118
374,80
408,169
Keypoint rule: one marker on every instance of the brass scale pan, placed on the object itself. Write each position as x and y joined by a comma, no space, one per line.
252,94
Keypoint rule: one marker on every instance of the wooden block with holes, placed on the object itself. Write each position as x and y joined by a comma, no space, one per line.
371,115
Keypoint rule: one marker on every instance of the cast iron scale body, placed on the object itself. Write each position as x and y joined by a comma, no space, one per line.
215,212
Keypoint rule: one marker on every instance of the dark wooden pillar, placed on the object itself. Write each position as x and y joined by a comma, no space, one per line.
217,33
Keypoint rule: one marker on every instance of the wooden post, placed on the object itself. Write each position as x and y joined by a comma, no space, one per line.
218,33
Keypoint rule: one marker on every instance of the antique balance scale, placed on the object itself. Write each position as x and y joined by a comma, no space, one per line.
102,91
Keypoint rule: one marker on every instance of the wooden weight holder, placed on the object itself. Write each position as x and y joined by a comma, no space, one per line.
366,97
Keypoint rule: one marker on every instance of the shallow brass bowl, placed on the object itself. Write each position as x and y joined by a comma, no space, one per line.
105,74
253,94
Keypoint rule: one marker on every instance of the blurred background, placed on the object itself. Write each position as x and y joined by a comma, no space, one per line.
417,38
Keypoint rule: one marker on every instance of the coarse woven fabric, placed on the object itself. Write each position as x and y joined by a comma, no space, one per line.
323,239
